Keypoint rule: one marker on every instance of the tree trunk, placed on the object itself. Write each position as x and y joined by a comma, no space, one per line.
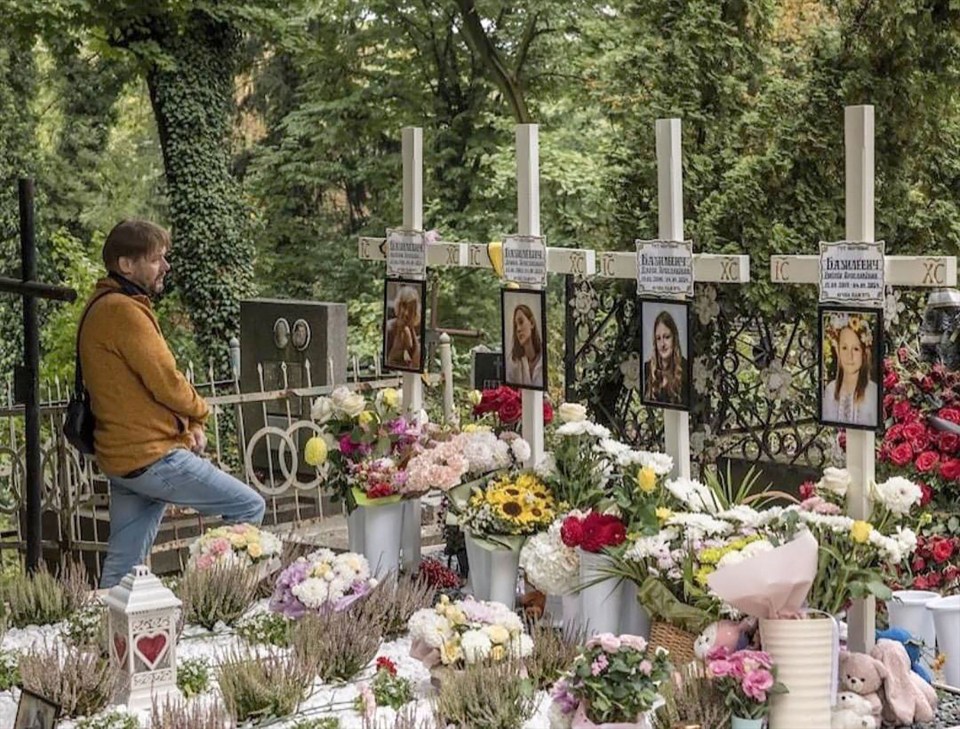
193,102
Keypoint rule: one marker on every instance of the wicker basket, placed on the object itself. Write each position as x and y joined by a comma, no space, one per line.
679,642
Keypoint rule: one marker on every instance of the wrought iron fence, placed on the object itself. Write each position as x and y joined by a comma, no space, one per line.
257,436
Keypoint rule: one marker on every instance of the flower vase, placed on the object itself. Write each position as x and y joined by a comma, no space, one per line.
908,610
946,617
382,530
805,653
355,531
738,722
478,564
410,544
634,619
504,566
572,613
601,597
580,721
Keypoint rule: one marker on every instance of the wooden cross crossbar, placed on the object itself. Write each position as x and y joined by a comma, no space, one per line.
916,271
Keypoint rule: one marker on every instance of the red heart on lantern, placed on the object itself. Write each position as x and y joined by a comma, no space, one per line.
152,648
120,648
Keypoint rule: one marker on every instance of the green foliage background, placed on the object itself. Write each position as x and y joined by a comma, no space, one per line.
266,135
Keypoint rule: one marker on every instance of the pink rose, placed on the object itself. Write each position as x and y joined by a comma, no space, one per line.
646,668
607,641
757,683
220,546
721,668
633,641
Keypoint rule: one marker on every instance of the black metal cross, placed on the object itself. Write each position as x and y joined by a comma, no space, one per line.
29,375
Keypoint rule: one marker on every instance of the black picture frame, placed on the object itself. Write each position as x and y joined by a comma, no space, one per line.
651,308
825,342
391,289
536,300
36,712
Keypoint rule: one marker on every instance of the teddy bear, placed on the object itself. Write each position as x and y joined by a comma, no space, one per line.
907,698
864,675
721,634
852,711
913,650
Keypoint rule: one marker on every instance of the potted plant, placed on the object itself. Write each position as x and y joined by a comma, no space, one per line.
746,679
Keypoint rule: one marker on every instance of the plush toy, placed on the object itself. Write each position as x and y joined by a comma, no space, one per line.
913,650
722,634
907,698
852,711
863,675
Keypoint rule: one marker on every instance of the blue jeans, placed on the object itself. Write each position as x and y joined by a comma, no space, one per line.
182,478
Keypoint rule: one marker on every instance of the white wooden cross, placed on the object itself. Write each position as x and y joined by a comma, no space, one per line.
936,271
707,267
576,261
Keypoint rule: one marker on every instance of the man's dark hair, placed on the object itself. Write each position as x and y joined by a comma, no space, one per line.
134,239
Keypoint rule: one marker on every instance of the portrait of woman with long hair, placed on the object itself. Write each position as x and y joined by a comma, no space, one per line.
665,376
524,347
850,394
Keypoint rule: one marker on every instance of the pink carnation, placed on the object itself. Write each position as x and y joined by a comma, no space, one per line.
757,683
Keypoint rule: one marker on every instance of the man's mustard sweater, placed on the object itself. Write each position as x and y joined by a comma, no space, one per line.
142,404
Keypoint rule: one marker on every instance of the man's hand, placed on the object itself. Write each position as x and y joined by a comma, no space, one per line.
198,439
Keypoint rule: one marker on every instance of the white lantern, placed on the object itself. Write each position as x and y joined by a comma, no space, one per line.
142,624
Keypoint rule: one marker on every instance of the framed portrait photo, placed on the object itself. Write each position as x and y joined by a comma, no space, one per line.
523,325
35,712
850,388
404,324
666,364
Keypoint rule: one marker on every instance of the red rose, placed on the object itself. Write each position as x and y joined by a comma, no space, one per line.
903,412
934,579
950,469
571,531
601,530
927,384
949,443
950,414
917,564
912,431
926,461
926,494
547,413
951,574
808,489
894,434
920,582
890,379
902,454
903,354
942,549
510,411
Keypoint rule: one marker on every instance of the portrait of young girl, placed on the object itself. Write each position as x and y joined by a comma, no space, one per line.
850,388
403,325
524,344
665,377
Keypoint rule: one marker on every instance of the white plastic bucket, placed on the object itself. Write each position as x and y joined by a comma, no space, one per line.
600,603
382,529
946,618
908,610
803,652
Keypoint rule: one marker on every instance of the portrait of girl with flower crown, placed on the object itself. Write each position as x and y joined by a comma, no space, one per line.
850,356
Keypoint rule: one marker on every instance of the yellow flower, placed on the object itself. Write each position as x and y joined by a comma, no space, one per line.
315,451
365,418
497,634
711,555
475,396
663,513
391,398
860,531
450,651
238,540
255,550
702,575
647,480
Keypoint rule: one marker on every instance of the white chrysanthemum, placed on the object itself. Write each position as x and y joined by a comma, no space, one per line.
898,494
352,566
907,539
655,546
476,645
750,517
549,564
430,627
837,524
521,645
313,592
661,463
694,495
613,448
698,526
547,466
521,450
756,547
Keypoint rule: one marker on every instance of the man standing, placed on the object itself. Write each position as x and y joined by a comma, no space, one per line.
149,419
